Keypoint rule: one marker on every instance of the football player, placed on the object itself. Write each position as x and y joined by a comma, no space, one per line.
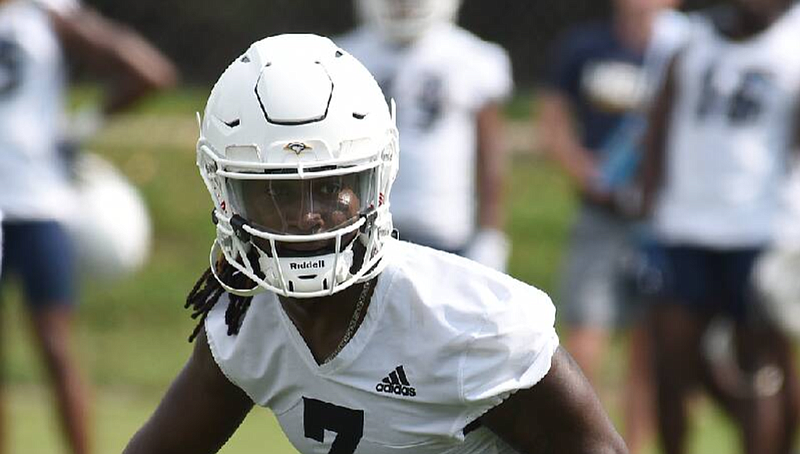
356,341
716,165
449,86
35,194
591,121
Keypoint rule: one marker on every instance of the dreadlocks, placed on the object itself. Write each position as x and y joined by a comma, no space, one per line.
207,291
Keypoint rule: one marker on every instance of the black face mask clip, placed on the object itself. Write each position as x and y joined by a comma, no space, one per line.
238,223
370,217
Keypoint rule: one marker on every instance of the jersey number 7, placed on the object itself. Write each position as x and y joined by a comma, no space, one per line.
346,422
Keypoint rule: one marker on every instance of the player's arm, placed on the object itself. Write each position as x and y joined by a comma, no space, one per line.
559,414
134,66
651,174
490,246
200,411
560,141
491,167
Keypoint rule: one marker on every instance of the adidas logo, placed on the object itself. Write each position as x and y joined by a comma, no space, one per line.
396,383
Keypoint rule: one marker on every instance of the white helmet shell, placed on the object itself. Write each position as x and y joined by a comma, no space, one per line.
775,280
112,230
403,21
297,109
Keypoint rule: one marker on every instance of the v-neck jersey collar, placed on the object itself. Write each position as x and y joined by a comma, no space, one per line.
356,344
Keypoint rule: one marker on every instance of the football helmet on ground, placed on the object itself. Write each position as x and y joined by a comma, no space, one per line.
298,149
403,21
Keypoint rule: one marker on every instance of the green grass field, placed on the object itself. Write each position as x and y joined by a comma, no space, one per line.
133,334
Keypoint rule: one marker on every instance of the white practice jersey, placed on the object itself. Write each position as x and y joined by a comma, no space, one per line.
439,84
32,83
671,30
443,341
731,130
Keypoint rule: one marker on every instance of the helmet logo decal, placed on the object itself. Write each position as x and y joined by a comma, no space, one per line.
310,265
297,147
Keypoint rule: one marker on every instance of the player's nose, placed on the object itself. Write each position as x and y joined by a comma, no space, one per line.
310,222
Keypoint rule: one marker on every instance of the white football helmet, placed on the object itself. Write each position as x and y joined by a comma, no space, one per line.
299,150
775,279
112,229
403,21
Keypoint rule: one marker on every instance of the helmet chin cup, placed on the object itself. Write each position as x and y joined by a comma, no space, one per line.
307,274
294,277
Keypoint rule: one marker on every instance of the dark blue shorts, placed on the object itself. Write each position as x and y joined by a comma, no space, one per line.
42,256
709,281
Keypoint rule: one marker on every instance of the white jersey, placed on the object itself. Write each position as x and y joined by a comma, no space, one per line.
32,83
730,133
439,84
443,341
671,29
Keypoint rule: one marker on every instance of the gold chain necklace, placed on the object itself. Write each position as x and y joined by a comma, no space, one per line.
351,328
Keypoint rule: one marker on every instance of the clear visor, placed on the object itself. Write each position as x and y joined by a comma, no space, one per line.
304,207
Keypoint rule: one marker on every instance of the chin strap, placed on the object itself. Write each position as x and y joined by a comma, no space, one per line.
215,251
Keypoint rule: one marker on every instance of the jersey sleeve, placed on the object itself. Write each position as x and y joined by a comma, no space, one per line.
494,80
671,31
512,350
245,358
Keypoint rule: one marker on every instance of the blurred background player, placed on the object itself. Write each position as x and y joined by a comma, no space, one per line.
448,85
35,195
591,105
716,167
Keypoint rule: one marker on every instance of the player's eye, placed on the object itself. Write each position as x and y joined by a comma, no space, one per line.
329,188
